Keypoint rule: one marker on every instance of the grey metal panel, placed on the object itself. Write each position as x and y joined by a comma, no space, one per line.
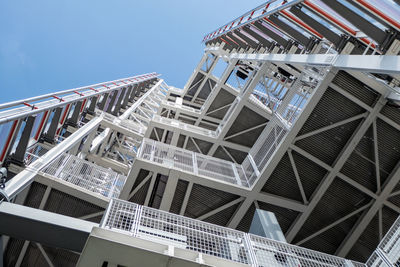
271,34
326,32
49,135
252,43
239,42
75,115
19,154
361,23
112,101
103,101
119,102
261,39
44,227
292,32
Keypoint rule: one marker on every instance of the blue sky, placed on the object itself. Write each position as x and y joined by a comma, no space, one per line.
47,46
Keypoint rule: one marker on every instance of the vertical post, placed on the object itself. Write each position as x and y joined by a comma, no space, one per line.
248,244
118,104
91,108
195,167
75,115
18,155
1,251
103,102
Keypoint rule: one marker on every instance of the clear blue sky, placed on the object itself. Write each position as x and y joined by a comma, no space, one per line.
48,45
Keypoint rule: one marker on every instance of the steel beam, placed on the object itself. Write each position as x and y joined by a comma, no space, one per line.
44,227
363,222
340,161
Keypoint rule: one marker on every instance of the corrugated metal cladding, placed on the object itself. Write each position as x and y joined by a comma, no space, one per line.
356,88
205,199
180,192
35,195
340,198
245,120
310,175
140,196
58,257
57,202
68,205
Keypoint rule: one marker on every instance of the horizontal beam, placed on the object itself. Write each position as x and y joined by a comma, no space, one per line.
363,63
44,227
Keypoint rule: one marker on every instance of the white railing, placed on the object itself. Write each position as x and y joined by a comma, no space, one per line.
33,153
195,235
185,126
192,162
388,251
85,175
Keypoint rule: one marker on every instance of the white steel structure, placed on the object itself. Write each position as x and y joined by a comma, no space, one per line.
294,108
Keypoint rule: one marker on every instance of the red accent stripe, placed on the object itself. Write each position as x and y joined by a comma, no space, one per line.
225,41
63,117
249,18
78,93
337,22
65,114
41,125
83,104
10,135
331,18
29,105
379,13
56,97
93,89
301,23
265,9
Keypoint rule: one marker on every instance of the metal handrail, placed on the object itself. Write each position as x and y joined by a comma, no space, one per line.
202,237
23,108
248,18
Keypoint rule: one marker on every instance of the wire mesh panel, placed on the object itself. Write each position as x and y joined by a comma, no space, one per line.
249,171
376,261
33,153
132,126
179,231
218,169
388,251
268,142
199,164
390,244
86,175
122,216
182,232
271,253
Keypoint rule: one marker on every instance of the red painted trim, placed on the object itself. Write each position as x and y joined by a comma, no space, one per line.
301,23
249,18
41,125
231,40
10,135
83,104
225,41
329,17
265,9
78,93
337,22
56,97
93,89
65,114
63,118
379,13
29,105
